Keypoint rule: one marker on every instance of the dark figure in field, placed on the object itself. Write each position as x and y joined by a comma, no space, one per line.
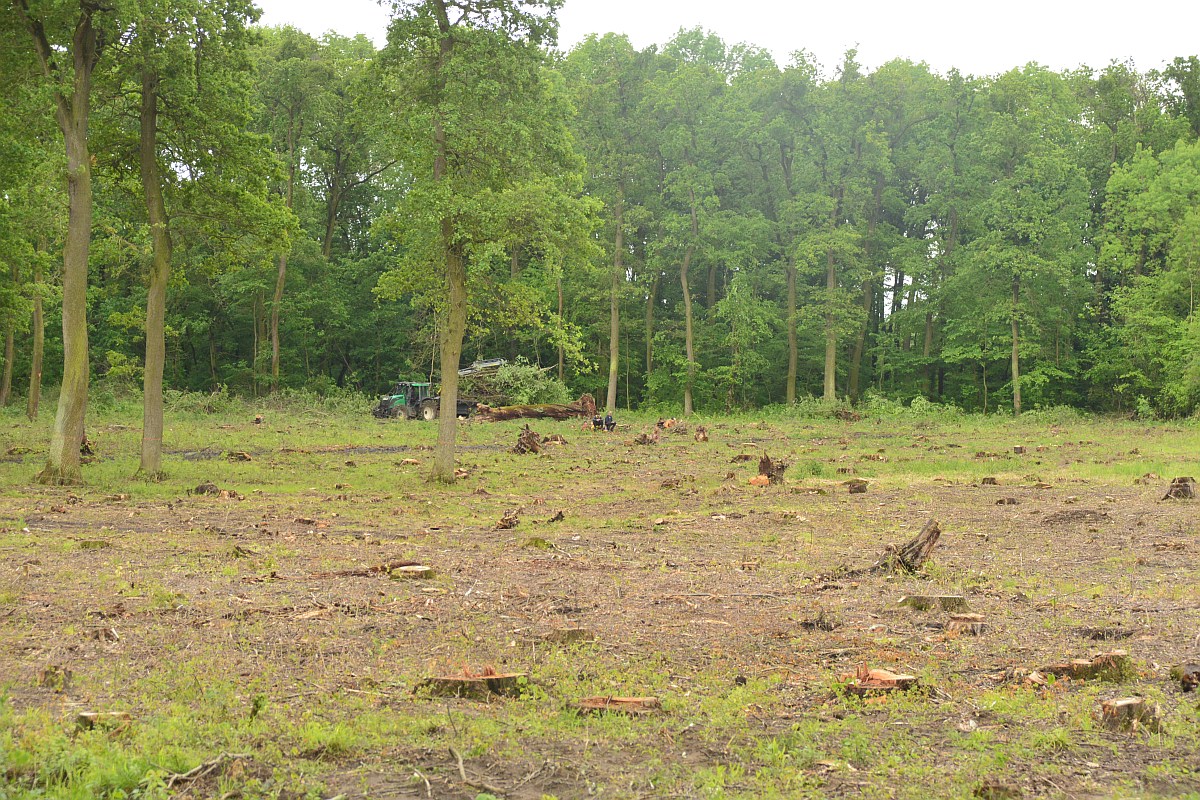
597,422
610,424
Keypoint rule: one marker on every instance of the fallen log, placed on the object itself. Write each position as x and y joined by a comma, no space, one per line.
585,406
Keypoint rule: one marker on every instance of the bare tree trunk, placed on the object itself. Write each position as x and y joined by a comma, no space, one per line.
455,323
830,393
156,296
687,309
39,339
1016,353
651,299
281,271
72,113
793,343
9,349
868,293
561,349
614,316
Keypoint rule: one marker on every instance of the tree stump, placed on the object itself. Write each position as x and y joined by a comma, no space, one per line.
856,486
1181,489
989,481
946,602
633,706
1188,676
772,470
1131,714
701,433
528,442
475,687
1113,666
913,555
969,624
866,681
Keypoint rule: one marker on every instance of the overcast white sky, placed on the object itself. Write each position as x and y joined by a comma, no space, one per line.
974,36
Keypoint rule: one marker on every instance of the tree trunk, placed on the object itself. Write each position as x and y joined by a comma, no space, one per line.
868,290
614,314
9,349
561,349
455,322
830,393
793,344
39,338
689,347
156,296
71,113
1016,360
651,299
281,272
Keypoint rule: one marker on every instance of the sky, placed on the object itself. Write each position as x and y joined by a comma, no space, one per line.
974,36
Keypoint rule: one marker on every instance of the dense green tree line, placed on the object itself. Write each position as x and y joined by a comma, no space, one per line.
193,202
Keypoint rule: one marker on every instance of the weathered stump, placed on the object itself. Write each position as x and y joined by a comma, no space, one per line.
946,602
1113,666
969,624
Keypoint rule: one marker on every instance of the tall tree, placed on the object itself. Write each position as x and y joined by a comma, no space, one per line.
483,123
69,38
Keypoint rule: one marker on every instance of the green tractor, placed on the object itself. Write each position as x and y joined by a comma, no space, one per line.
413,400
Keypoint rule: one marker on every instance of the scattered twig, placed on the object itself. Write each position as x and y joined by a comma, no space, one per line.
477,784
203,769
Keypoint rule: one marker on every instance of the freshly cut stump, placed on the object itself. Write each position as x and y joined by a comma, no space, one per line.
1131,714
633,706
412,571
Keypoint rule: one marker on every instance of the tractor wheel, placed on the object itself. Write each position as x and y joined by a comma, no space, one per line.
429,411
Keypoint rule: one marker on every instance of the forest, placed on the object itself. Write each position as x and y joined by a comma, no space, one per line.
192,202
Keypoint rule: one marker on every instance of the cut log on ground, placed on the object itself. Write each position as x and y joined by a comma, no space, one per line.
1113,666
1181,489
585,406
1131,714
634,706
771,470
528,442
946,602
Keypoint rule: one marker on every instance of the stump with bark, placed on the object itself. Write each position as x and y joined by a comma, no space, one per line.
1113,666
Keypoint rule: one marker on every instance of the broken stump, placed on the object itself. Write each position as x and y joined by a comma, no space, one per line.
770,469
527,442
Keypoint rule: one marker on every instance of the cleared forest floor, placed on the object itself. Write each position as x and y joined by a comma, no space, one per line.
256,634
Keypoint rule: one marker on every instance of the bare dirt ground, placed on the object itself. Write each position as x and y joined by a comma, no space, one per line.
230,623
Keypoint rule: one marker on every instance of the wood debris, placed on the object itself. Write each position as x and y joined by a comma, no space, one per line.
646,438
527,442
585,406
238,455
510,520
